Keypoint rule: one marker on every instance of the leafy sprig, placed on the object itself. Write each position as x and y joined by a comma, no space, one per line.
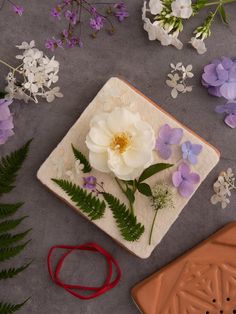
83,160
7,210
9,166
130,229
89,204
12,272
7,225
9,252
7,239
8,308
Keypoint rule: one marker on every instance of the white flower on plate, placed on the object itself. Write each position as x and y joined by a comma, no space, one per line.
199,45
155,6
53,93
120,142
75,172
182,8
173,82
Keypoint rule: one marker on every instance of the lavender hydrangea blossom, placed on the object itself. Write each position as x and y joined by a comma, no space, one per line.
6,121
230,110
191,151
219,78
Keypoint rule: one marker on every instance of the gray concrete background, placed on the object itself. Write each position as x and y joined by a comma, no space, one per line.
82,73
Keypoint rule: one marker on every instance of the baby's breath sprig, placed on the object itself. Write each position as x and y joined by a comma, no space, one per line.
162,197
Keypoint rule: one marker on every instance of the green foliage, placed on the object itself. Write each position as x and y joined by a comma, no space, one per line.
223,14
7,210
9,166
83,160
12,272
7,308
144,189
7,239
9,252
130,229
89,204
10,224
153,169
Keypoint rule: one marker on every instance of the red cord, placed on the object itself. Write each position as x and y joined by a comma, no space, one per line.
93,247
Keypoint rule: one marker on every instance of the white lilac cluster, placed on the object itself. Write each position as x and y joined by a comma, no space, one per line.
34,76
163,21
223,187
177,78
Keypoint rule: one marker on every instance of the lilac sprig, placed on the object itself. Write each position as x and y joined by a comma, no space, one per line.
91,183
77,11
19,10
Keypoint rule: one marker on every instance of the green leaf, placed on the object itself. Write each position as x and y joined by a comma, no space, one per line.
223,14
87,202
12,272
153,169
7,210
10,224
7,239
130,229
9,252
83,160
130,195
9,167
144,189
8,308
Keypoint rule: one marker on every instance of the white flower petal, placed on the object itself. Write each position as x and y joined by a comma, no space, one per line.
99,161
174,93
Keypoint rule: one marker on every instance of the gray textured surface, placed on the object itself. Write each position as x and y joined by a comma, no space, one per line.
83,72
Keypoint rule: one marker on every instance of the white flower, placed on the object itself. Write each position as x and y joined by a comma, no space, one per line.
174,83
187,71
24,45
182,8
199,45
31,84
177,67
52,93
216,198
155,6
121,143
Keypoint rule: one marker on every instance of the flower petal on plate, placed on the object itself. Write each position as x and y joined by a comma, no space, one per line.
186,189
136,158
177,178
230,120
123,115
99,161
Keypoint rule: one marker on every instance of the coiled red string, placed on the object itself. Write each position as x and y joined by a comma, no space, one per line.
93,247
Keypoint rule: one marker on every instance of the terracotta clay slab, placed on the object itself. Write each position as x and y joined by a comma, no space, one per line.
202,281
118,93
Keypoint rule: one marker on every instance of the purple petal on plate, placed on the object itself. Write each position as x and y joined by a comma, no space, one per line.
186,146
192,158
184,169
196,149
186,189
165,133
205,84
227,108
193,178
176,136
228,90
163,149
227,63
232,73
230,120
223,75
221,109
177,178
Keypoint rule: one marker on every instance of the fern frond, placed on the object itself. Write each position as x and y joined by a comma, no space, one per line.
10,224
87,202
130,229
12,272
9,166
83,160
7,239
7,210
8,308
9,252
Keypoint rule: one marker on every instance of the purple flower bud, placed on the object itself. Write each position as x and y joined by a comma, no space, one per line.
56,12
71,16
18,10
90,182
97,23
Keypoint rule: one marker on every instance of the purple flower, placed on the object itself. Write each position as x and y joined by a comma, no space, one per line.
56,12
230,110
219,78
53,43
191,151
18,9
66,2
6,121
184,180
90,182
119,5
71,16
72,42
121,15
167,136
97,22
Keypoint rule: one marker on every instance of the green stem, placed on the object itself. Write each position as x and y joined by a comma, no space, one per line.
153,222
124,192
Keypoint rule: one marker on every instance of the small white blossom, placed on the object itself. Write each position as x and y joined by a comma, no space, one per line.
182,8
223,187
155,6
199,45
173,82
187,71
37,73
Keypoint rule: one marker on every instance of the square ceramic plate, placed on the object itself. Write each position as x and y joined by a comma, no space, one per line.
117,92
